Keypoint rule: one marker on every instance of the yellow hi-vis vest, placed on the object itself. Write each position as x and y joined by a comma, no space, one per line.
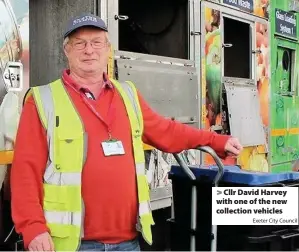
67,141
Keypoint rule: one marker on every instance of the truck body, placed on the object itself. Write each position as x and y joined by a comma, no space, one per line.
14,81
284,100
225,65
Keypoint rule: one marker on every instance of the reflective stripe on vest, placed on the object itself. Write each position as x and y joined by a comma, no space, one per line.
70,218
130,98
63,204
67,143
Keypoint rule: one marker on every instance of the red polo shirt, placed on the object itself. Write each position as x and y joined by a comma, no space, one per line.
108,183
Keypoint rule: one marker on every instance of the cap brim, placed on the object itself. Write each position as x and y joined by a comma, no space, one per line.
87,25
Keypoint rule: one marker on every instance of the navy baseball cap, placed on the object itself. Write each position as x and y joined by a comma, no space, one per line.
84,20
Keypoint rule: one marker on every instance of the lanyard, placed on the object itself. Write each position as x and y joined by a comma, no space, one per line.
111,110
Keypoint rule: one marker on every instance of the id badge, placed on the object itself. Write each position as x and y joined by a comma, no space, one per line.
113,147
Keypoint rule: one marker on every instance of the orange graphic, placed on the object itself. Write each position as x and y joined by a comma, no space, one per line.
261,8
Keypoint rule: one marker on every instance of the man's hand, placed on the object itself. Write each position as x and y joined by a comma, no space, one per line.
295,167
233,147
42,242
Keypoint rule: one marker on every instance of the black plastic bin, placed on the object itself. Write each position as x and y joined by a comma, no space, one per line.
229,238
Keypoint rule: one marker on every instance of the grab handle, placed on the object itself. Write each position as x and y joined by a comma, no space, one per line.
217,160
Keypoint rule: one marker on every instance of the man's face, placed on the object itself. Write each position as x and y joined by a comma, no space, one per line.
88,50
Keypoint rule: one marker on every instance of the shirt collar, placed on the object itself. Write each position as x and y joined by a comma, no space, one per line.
69,80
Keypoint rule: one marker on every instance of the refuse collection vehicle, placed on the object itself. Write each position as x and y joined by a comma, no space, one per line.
203,63
14,81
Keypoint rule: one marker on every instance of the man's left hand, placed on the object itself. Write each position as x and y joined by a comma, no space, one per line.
233,147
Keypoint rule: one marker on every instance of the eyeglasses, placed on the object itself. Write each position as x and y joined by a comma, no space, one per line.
96,44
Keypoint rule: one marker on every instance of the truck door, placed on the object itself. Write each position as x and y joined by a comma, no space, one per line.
238,76
285,130
11,79
229,75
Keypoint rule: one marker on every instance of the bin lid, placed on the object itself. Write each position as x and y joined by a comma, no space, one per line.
235,175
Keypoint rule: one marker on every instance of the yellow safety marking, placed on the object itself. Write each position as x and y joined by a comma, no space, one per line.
6,157
294,131
278,132
147,147
281,132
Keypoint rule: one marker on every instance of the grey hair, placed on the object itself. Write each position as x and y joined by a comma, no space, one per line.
65,41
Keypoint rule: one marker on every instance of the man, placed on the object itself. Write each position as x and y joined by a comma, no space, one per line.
84,134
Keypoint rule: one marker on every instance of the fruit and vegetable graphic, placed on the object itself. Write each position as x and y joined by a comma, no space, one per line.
254,159
262,71
261,8
213,66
